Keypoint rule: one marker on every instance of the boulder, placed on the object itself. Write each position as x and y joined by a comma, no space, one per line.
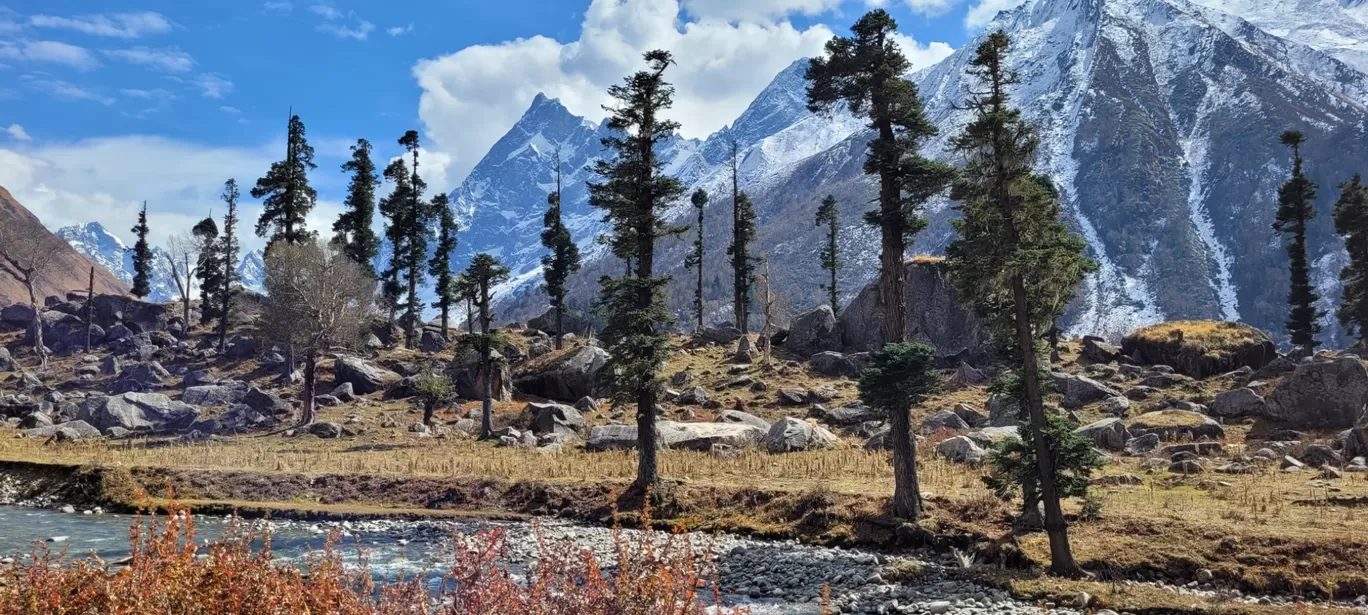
790,434
432,342
721,334
847,416
215,394
1142,445
35,420
1098,351
962,449
569,377
326,431
73,431
1236,403
1200,348
199,377
1356,441
1164,380
345,392
945,419
266,403
587,404
110,365
1172,425
554,418
18,315
814,332
934,316
1321,394
694,396
364,376
1276,367
967,375
836,365
137,411
792,396
1107,434
743,418
1003,411
669,434
1317,455
971,415
571,322
6,360
1115,406
1080,390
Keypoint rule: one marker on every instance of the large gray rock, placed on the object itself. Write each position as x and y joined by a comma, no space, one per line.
215,394
137,411
570,377
837,365
1109,434
848,415
934,316
743,418
1080,391
571,322
1003,411
790,434
1236,403
554,418
813,332
945,419
467,372
1172,425
432,341
266,403
6,361
72,431
669,434
1321,394
364,376
720,334
962,449
17,315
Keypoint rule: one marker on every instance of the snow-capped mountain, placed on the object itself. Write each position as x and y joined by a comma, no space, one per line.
1159,122
106,249
110,252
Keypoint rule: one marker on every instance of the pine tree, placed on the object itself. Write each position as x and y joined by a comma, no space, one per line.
865,72
830,255
407,233
1296,208
694,260
563,260
900,375
1351,223
743,233
288,198
1015,262
633,193
228,253
466,291
484,272
353,230
142,258
440,265
209,270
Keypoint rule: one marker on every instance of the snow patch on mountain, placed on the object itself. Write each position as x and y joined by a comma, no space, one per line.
107,250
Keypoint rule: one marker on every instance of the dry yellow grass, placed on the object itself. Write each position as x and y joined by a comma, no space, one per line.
1209,335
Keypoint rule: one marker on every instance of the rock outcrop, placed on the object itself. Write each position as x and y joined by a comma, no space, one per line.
1200,348
1321,394
567,377
934,316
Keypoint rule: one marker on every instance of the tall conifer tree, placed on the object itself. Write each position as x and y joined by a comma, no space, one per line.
209,270
828,215
440,265
633,194
228,252
287,196
743,233
142,258
563,260
1351,223
352,230
1015,260
484,273
865,73
1296,208
694,260
408,234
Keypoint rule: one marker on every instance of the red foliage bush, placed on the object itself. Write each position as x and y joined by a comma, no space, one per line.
170,574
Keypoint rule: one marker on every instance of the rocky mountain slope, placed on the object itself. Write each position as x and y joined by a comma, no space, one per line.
103,247
1159,122
70,272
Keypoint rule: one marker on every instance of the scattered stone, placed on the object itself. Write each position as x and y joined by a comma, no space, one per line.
792,397
743,418
1080,390
364,376
945,419
1321,394
1108,434
547,418
967,376
1187,466
695,396
1115,406
790,434
1237,403
1173,425
836,365
961,449
813,332
1142,445
1098,351
970,415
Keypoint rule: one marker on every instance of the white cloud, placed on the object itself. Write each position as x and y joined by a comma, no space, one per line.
982,14
921,56
105,180
471,97
756,10
118,25
326,11
279,7
171,59
64,90
213,85
230,110
361,32
18,133
932,7
52,52
399,30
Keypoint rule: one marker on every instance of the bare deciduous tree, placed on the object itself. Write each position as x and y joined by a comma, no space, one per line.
26,257
184,253
317,298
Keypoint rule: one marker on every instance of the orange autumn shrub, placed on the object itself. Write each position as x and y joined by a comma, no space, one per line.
170,574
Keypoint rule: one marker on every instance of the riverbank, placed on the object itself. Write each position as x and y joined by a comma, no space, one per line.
810,519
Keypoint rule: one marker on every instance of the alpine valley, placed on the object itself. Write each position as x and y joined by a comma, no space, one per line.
1159,122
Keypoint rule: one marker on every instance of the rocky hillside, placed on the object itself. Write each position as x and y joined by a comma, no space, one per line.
70,272
1159,121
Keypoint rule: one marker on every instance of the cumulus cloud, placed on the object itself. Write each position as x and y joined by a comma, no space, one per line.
213,85
756,10
471,97
361,31
106,180
117,25
921,56
50,52
18,133
325,11
982,13
170,59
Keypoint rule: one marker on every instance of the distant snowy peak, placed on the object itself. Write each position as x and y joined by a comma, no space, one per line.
252,272
1337,27
107,250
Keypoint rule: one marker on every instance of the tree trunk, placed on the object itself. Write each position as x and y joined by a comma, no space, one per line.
38,346
891,258
429,408
907,501
445,315
486,404
560,326
648,470
307,416
90,308
1061,555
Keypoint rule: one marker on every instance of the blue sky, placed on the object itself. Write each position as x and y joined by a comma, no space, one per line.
105,104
